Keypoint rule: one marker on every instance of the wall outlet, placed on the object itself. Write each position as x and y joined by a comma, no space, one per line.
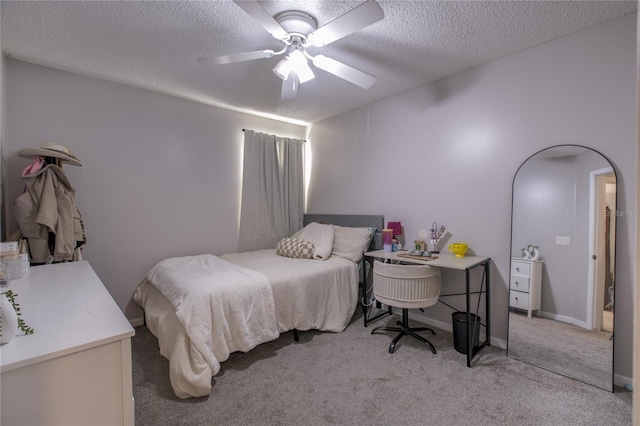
563,241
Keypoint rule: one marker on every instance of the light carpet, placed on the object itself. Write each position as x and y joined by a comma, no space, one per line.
585,355
350,378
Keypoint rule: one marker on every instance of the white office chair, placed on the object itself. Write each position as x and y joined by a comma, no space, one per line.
406,287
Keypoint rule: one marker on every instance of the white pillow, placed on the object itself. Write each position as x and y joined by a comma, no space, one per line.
322,238
297,233
350,243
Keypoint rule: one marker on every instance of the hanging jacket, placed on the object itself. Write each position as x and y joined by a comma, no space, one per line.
48,216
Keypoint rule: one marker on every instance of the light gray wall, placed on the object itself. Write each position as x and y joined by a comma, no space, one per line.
162,175
448,151
544,206
550,199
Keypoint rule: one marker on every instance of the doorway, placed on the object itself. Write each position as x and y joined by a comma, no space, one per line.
602,224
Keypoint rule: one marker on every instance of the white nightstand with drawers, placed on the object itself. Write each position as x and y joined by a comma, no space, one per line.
525,284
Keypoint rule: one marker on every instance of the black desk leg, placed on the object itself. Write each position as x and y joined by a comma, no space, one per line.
487,302
470,350
469,332
367,309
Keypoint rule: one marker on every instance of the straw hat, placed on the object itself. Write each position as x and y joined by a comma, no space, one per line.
51,149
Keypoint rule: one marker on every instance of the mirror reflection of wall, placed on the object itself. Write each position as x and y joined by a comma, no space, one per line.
564,203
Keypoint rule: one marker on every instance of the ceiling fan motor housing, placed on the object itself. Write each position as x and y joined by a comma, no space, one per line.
296,23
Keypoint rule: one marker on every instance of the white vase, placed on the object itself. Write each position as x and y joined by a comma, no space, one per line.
536,253
8,320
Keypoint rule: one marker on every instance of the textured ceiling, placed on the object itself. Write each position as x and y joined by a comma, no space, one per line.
154,45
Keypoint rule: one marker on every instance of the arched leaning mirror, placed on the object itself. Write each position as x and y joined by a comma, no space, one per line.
562,279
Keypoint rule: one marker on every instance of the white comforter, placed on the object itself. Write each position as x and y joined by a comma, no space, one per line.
309,294
223,307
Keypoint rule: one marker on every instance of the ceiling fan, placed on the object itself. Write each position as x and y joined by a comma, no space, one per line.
297,30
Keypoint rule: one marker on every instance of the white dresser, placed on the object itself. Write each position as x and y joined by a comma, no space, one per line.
75,369
525,284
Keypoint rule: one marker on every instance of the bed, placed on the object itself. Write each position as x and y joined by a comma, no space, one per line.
203,308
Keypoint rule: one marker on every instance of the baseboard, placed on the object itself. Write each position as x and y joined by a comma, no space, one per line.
564,318
136,322
427,321
622,381
499,343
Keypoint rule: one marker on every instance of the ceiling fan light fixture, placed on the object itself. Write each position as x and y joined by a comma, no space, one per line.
283,68
301,66
297,58
305,73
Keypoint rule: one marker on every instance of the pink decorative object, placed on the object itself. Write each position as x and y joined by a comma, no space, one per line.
387,239
396,227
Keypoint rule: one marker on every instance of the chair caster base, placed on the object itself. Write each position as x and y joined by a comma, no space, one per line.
405,330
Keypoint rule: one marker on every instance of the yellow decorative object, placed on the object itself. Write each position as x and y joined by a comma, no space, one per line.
459,249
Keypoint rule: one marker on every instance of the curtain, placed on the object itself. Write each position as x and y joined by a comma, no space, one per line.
272,190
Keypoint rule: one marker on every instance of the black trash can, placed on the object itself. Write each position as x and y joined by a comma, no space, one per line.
460,340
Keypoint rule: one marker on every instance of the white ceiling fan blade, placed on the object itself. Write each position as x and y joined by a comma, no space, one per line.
290,87
344,71
257,12
357,18
237,57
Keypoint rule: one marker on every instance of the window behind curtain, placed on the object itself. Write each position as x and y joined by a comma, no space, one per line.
272,190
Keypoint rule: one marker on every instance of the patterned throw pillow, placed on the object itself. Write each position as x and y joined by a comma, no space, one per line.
293,247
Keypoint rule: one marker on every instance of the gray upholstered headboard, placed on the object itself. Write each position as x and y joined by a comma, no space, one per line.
354,220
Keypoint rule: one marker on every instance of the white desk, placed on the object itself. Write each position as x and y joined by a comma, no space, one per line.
76,367
450,261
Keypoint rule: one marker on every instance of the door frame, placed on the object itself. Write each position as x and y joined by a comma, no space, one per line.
595,294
